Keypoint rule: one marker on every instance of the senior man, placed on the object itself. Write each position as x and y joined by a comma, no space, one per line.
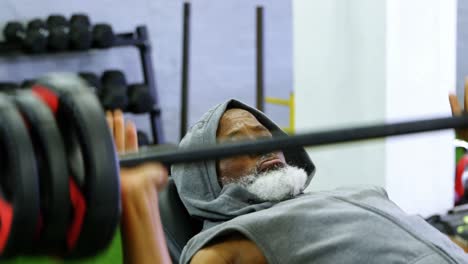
254,208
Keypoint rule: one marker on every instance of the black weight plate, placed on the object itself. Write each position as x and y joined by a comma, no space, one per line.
81,118
19,186
53,172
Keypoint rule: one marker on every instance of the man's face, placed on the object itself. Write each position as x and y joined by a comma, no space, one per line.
237,125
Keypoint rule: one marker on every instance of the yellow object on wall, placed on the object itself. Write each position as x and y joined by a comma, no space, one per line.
288,103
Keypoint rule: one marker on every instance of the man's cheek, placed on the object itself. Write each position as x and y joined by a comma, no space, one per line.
235,168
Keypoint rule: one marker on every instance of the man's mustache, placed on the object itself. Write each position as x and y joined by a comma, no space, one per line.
257,171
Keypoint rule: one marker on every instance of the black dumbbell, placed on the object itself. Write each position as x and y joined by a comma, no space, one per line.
143,139
113,94
14,32
36,36
140,99
92,80
80,32
58,32
103,36
33,39
7,86
28,83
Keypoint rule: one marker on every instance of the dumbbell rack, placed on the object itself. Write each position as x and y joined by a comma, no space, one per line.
138,39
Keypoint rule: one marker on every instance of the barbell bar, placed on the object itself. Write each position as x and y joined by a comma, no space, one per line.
313,139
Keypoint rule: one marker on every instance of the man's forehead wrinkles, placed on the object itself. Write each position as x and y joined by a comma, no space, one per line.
237,113
246,116
237,128
239,123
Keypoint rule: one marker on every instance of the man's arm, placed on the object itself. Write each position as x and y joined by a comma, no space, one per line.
457,110
232,249
142,234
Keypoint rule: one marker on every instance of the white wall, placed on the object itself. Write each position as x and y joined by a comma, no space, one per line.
374,61
338,47
420,72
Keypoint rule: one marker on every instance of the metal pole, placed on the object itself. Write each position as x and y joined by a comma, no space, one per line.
259,58
185,70
261,146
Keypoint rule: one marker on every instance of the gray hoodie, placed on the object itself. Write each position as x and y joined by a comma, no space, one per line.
353,225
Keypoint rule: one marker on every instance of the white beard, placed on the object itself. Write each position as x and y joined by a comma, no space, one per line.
275,185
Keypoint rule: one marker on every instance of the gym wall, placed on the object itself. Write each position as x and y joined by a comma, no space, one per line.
462,45
222,50
379,61
222,57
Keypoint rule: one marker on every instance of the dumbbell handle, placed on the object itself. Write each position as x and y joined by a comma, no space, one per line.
261,146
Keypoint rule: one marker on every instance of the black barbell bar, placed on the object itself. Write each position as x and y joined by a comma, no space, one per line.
262,146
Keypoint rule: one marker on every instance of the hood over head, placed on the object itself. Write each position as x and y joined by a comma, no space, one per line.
197,183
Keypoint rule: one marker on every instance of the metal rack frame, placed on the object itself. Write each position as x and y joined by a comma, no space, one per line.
139,39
